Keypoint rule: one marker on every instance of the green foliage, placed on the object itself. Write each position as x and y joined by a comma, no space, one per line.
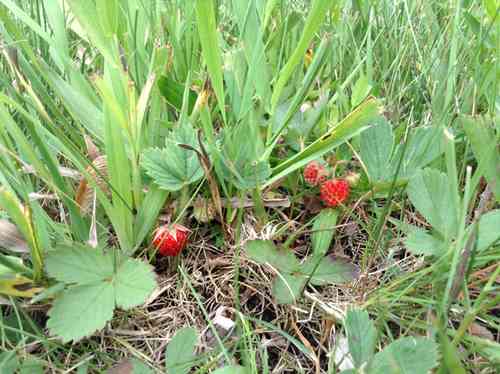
318,269
179,356
431,193
96,283
361,335
233,369
174,167
406,355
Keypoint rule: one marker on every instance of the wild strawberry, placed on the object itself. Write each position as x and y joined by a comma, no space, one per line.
315,173
334,192
170,240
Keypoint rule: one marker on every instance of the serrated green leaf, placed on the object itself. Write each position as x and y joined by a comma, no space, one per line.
361,335
419,242
179,356
174,167
488,231
81,310
133,283
377,143
430,192
406,356
85,307
323,230
79,264
265,252
288,287
330,270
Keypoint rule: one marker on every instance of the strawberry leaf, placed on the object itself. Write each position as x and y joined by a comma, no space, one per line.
179,357
406,355
81,311
431,193
361,336
287,288
94,289
174,167
265,252
323,229
419,242
377,143
330,270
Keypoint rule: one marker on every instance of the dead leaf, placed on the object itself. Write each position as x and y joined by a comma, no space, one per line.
475,329
124,367
11,238
85,192
18,286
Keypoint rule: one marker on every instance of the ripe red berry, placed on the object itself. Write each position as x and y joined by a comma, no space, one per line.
334,192
170,240
315,173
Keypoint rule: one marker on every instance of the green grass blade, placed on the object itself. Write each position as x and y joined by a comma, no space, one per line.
207,28
313,23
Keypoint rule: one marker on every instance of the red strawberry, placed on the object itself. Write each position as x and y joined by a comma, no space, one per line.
334,192
170,240
315,173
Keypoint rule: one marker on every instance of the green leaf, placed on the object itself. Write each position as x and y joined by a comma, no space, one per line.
209,39
79,264
81,311
431,193
173,92
174,167
241,160
287,287
406,355
377,143
179,356
419,242
330,270
86,306
265,252
485,147
323,229
233,369
356,122
361,335
8,362
360,91
488,229
32,366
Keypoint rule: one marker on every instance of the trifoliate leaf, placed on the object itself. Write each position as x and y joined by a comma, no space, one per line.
264,251
81,310
179,357
95,289
419,242
323,229
288,287
406,356
361,335
174,167
330,270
